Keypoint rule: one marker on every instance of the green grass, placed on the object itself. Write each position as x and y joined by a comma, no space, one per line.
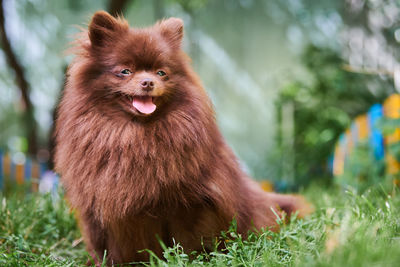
347,229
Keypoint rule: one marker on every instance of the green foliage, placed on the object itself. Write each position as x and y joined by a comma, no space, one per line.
389,127
324,109
347,229
37,230
362,170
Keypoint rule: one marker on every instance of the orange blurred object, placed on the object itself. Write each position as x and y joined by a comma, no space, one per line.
19,173
391,109
267,186
362,126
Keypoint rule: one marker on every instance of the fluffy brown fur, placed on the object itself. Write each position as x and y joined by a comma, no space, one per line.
134,177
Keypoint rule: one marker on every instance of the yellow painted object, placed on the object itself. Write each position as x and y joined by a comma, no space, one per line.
19,173
338,160
362,126
391,106
391,109
267,186
393,166
7,165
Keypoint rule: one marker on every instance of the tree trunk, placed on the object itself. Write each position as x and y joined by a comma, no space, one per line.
22,84
116,7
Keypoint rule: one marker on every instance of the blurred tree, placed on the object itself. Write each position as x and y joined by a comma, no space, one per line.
324,109
372,33
116,7
352,59
22,84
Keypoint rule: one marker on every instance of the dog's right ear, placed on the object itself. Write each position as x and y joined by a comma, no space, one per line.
103,26
172,30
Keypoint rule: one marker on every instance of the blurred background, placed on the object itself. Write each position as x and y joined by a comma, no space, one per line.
287,78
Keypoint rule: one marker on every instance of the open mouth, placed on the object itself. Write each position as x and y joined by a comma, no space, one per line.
142,104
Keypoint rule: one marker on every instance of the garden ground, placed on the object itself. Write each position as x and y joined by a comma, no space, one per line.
347,229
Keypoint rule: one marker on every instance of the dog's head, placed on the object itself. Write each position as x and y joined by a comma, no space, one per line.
136,70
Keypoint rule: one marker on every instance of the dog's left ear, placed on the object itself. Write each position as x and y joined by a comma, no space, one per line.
172,30
103,28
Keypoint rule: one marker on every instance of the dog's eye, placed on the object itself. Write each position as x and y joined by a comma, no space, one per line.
126,72
161,73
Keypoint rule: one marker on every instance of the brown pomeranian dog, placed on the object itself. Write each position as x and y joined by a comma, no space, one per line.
140,154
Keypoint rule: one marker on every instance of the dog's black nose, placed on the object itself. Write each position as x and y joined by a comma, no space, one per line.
147,84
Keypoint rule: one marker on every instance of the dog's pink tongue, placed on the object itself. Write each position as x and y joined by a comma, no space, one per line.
144,104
